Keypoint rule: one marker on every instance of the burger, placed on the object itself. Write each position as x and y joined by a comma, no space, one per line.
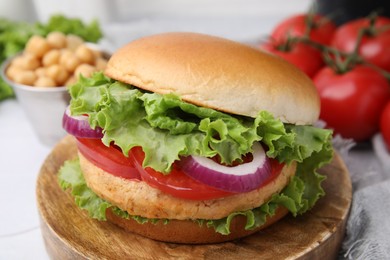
191,138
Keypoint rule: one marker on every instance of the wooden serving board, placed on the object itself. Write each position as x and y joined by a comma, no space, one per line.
69,233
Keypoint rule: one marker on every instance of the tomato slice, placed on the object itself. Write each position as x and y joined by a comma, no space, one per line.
176,183
179,184
110,159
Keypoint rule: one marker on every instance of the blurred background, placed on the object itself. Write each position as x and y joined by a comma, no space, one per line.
245,21
123,20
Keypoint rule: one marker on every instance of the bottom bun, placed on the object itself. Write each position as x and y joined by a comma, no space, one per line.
190,232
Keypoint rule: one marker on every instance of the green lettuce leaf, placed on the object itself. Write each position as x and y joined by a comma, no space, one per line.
90,32
70,177
167,127
5,90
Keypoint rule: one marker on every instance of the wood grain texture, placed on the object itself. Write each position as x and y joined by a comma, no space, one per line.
69,233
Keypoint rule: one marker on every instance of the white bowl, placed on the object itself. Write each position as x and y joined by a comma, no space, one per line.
44,107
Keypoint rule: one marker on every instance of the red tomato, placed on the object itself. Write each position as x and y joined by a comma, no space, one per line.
374,48
385,125
176,183
110,159
179,184
321,31
305,57
351,103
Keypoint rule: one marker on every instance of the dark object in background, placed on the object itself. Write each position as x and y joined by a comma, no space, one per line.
341,11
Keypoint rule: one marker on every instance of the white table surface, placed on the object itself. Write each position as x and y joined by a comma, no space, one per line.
21,156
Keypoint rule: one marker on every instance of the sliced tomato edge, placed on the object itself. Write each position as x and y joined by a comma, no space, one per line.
206,192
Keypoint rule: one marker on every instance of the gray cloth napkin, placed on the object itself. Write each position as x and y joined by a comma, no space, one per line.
368,226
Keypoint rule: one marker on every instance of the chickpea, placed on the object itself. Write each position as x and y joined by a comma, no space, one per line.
100,63
72,79
57,73
51,57
31,62
65,55
25,77
37,46
52,71
40,72
56,40
71,63
12,71
18,62
85,54
73,41
85,70
26,62
44,82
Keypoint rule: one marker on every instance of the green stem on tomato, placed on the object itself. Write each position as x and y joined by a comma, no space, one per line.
288,44
385,73
340,62
310,24
383,28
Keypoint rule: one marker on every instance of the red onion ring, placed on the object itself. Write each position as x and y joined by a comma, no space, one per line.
78,126
241,178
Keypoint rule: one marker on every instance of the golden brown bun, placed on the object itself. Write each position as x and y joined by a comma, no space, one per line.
189,232
140,199
217,73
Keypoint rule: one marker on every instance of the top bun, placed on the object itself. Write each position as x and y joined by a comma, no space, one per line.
217,73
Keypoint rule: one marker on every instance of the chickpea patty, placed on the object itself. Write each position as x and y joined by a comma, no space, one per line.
138,198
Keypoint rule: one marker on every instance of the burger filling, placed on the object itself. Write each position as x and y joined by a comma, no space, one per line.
161,140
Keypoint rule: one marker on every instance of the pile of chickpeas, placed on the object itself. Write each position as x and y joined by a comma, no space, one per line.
57,60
